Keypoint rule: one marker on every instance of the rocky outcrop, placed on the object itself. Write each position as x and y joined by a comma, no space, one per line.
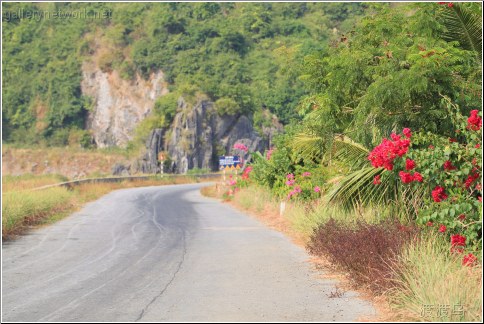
197,137
154,145
118,104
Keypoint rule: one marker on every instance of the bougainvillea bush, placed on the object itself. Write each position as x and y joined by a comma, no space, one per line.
446,174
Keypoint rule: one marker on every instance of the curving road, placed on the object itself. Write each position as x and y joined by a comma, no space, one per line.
164,254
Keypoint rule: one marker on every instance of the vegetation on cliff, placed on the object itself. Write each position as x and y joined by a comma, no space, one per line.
243,56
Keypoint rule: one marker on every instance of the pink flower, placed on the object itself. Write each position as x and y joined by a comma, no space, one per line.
442,228
241,147
269,154
409,164
290,176
317,189
306,174
232,182
407,132
290,182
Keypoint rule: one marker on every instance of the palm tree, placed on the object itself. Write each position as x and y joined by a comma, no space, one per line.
463,25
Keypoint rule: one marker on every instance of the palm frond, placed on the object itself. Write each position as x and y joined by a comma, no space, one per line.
352,154
357,188
307,146
463,26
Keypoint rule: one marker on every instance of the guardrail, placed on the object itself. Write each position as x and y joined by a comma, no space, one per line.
70,184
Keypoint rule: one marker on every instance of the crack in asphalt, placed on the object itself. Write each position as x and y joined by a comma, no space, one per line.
169,283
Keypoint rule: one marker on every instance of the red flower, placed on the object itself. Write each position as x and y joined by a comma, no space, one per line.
429,223
395,137
247,171
470,179
384,154
458,240
438,194
474,122
448,166
406,177
376,180
442,229
417,177
452,140
479,198
409,164
407,132
431,147
469,260
462,217
478,145
449,4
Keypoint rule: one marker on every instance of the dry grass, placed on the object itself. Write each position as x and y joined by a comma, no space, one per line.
80,164
29,181
434,286
23,209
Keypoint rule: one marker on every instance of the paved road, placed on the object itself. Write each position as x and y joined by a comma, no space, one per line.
164,254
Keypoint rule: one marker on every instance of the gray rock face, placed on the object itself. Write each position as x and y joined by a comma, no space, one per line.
154,145
197,137
118,104
121,169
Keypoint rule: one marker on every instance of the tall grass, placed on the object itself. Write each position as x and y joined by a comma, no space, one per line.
29,207
306,217
434,286
255,198
29,181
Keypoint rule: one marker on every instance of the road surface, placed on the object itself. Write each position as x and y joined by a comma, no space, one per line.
164,254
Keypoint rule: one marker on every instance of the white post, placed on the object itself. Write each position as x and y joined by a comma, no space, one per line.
282,208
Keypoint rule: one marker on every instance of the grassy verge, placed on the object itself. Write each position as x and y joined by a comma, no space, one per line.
434,286
23,208
409,275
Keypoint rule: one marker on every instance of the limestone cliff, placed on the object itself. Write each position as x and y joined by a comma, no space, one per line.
118,104
197,136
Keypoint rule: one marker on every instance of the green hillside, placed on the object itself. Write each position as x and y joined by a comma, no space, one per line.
243,56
